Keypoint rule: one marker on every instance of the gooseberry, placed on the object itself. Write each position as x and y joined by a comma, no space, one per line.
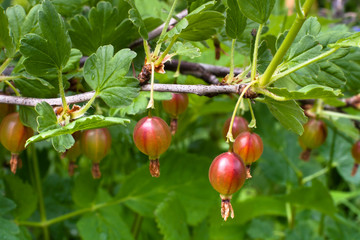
314,135
249,147
240,125
73,153
355,152
227,174
152,137
13,135
174,107
95,144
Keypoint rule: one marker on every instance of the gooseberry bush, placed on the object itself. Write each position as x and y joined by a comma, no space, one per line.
229,97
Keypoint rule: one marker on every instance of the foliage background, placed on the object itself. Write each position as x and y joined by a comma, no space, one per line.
286,198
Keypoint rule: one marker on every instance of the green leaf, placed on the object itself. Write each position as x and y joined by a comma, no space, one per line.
176,30
235,21
73,63
16,16
6,205
351,41
315,197
106,222
105,74
171,219
310,27
257,10
28,116
85,189
289,114
303,50
54,31
187,50
202,25
68,7
196,201
5,38
136,19
30,86
31,22
311,91
22,194
8,229
105,25
90,122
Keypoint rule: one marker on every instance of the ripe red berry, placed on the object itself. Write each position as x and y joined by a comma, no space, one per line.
174,107
355,152
240,125
152,137
95,144
249,147
13,135
227,174
314,135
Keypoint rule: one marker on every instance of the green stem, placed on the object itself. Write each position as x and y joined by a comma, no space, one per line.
13,88
231,74
315,175
135,229
269,94
5,64
39,192
167,50
147,51
62,91
302,65
256,48
252,124
4,78
298,8
151,101
229,136
339,115
64,217
166,25
177,73
84,109
290,37
244,73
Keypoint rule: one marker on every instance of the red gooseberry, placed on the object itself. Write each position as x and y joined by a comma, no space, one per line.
355,152
314,135
13,135
152,137
174,107
240,125
249,147
95,144
227,174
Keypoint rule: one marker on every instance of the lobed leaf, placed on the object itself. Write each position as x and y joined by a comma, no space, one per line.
311,91
105,73
351,41
235,23
186,49
5,38
257,10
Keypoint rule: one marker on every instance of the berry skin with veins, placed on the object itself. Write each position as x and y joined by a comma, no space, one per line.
240,125
152,137
249,147
13,136
314,135
96,144
227,175
174,107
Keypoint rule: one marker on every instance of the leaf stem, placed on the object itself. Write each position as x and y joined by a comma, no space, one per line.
256,48
39,191
135,229
5,64
298,8
147,51
84,109
315,175
177,72
167,50
270,94
62,91
166,25
302,65
13,88
229,136
231,74
252,124
339,115
290,37
151,101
